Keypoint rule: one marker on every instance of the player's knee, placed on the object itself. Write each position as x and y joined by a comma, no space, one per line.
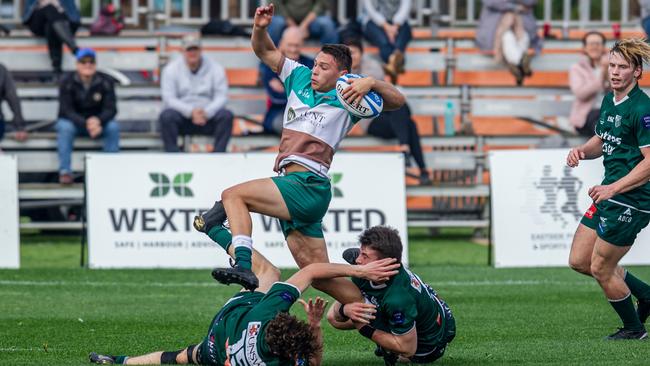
229,195
599,272
580,266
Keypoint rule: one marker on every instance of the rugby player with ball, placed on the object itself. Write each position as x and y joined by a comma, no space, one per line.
317,117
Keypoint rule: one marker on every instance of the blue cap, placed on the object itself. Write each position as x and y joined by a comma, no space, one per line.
85,52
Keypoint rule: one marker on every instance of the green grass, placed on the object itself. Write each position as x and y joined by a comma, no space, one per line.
54,312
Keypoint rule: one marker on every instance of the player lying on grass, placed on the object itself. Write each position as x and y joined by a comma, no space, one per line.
411,323
254,328
314,124
621,203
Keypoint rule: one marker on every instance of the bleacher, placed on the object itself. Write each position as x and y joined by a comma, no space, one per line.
490,113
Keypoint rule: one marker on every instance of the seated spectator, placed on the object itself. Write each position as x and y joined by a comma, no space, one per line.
57,21
194,93
589,83
508,28
8,93
308,15
385,25
389,124
290,46
87,107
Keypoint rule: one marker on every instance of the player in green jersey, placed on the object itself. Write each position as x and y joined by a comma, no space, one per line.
255,329
621,203
314,124
411,321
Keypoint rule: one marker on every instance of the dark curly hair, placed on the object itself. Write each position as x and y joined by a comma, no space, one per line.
383,239
290,338
341,54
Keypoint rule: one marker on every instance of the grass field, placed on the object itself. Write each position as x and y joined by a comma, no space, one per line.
53,312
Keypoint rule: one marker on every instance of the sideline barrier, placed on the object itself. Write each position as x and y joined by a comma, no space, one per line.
537,203
142,218
9,236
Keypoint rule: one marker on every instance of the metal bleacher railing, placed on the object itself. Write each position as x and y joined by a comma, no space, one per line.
453,13
141,104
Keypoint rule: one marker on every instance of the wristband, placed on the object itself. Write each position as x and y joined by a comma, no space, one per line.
342,313
367,331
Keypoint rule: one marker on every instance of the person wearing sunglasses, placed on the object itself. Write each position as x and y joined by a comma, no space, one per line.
87,107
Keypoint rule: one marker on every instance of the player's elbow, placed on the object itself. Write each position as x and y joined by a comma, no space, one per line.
395,102
408,349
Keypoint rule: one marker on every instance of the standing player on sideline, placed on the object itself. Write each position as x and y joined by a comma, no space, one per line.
621,205
315,122
254,328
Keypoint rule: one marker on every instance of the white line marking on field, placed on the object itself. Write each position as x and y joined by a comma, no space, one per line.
16,349
210,284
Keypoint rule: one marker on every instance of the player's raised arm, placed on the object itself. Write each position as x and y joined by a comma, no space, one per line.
261,42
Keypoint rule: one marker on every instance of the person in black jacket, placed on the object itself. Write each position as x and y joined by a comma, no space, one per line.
87,107
8,93
57,21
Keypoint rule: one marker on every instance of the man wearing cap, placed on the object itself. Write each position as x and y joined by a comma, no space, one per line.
87,107
194,93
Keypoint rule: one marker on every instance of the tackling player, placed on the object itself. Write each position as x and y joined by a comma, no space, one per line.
254,328
411,323
621,205
314,124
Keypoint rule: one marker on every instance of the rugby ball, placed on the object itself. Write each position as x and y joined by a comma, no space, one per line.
369,107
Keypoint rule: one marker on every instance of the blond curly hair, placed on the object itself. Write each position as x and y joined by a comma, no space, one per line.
635,51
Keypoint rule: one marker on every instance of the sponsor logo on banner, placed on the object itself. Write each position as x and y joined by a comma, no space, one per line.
147,221
537,228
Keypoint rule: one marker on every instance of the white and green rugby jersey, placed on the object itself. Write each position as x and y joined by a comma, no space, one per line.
314,123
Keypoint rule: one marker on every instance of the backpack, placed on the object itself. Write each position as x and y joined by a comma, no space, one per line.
107,23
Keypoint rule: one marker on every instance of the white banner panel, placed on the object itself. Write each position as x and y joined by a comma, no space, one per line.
9,229
537,203
141,206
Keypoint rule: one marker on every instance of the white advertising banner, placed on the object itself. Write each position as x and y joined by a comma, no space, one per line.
537,203
141,206
9,229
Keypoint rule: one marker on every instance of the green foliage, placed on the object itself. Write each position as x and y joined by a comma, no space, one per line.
54,312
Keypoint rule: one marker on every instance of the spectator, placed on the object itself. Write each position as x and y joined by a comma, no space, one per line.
645,16
385,24
508,28
588,82
194,93
308,15
57,21
87,107
8,93
389,124
290,46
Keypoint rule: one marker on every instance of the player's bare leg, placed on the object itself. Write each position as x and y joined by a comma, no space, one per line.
260,196
307,250
605,269
582,249
155,358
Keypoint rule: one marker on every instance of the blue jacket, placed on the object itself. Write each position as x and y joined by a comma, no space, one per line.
69,7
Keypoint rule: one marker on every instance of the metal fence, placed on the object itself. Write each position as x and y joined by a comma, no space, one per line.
452,13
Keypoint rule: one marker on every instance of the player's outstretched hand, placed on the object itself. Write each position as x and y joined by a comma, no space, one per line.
358,89
263,16
314,309
574,157
379,271
360,312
